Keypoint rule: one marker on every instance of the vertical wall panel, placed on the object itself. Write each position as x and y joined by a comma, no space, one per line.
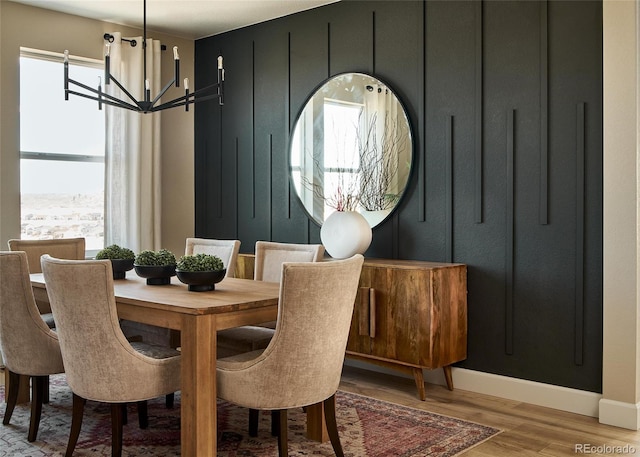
509,229
521,205
580,206
478,111
449,186
544,111
397,56
420,164
450,92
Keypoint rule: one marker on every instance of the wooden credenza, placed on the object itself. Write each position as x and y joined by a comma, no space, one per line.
409,315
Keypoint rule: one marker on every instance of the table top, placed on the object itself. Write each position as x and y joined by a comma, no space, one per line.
231,294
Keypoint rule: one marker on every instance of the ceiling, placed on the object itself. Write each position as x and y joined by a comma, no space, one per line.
191,19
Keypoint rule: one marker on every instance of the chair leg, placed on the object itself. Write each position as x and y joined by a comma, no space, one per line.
76,423
38,386
45,398
332,425
281,416
116,430
143,414
12,396
254,416
168,401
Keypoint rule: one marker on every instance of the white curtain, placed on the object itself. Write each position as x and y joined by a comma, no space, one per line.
133,187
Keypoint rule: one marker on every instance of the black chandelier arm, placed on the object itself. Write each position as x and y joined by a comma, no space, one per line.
131,97
192,97
118,103
162,92
101,95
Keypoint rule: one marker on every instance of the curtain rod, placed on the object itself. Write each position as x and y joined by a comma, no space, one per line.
133,43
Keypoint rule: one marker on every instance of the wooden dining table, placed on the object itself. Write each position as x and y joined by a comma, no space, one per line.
198,316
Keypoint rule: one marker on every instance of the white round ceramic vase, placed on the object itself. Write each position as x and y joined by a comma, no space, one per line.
345,233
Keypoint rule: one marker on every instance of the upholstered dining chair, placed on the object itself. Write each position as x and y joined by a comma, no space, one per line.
269,257
226,250
100,363
61,248
28,346
302,364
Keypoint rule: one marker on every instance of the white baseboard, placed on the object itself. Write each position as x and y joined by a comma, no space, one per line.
536,393
619,414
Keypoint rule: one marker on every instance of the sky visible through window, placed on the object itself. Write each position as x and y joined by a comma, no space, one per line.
60,198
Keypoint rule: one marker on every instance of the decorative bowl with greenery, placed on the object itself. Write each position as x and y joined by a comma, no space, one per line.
200,271
121,259
156,266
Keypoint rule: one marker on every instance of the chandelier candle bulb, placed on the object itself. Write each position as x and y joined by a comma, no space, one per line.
176,72
99,93
219,62
107,65
186,94
66,75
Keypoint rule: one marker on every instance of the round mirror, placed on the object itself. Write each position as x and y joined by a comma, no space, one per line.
351,149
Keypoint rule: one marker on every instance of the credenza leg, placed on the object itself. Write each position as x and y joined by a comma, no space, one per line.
419,378
448,376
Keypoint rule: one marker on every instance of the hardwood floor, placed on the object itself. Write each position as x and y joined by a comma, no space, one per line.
528,430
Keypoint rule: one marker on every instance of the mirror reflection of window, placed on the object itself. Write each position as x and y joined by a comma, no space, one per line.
341,158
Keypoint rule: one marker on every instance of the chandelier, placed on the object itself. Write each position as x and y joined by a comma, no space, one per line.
148,105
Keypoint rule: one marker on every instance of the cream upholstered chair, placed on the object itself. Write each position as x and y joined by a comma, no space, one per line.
29,347
226,250
100,363
269,257
61,248
302,364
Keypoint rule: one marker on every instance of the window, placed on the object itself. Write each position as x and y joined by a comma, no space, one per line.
62,146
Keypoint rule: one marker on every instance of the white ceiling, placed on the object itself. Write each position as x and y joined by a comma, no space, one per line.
183,18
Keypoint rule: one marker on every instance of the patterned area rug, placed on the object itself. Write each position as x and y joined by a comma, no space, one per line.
368,428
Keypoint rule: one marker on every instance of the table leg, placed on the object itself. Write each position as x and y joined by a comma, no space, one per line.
198,403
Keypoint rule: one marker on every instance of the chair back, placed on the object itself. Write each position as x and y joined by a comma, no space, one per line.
226,250
100,363
303,362
28,346
62,248
271,255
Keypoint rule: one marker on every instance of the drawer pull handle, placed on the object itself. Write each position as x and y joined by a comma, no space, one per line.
372,312
363,312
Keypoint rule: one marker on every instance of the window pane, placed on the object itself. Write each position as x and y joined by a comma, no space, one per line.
62,200
48,123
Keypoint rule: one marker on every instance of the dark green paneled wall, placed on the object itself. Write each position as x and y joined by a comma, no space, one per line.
505,101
